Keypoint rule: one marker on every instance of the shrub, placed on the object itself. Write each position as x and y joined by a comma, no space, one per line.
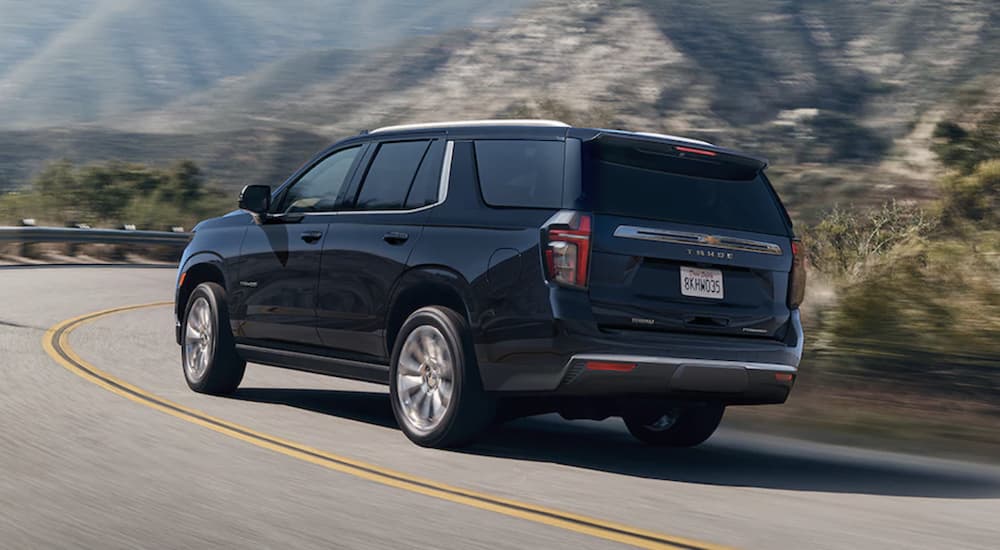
963,150
113,193
974,197
926,314
846,241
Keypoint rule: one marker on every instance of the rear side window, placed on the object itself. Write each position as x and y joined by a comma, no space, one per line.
521,173
391,175
637,181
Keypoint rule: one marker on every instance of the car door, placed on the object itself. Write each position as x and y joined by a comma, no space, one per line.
280,257
367,246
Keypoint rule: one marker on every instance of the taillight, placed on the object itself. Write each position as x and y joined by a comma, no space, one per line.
566,248
797,279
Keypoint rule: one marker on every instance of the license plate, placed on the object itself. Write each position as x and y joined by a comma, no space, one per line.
701,283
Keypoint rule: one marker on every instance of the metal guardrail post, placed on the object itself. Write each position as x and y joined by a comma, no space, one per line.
118,251
26,250
73,249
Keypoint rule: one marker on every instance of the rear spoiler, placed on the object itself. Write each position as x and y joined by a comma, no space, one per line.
671,146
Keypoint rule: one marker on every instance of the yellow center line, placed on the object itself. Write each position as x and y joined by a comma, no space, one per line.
56,345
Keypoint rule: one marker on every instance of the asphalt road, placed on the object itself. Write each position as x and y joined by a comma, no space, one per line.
83,467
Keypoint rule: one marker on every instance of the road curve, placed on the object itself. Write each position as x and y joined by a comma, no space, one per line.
84,467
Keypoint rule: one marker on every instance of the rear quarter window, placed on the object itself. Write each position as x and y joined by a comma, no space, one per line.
521,173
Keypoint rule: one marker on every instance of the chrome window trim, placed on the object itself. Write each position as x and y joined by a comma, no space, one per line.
697,239
449,148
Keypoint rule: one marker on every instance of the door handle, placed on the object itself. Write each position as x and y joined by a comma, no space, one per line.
395,237
311,236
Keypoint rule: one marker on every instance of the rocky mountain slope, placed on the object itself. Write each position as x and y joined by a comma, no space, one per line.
65,61
842,95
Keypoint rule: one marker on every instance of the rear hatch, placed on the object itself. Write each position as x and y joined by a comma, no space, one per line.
685,239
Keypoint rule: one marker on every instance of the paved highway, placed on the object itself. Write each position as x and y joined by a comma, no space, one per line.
121,459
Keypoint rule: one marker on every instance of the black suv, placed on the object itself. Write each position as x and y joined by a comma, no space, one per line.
496,269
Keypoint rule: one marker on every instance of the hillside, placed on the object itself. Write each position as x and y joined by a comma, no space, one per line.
67,61
841,95
688,65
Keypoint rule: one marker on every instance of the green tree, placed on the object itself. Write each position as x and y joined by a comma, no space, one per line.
58,190
114,192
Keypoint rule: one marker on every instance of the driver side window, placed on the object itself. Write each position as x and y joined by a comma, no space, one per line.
318,189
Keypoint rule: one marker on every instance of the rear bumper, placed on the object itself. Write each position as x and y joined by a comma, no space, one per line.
734,382
732,370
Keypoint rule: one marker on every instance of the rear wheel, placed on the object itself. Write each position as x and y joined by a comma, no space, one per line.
682,426
208,351
437,396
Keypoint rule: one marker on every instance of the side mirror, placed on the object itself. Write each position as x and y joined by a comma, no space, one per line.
256,199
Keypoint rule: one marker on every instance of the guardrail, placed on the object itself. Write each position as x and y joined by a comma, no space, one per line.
91,236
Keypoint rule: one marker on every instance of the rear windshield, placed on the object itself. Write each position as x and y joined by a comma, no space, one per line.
640,182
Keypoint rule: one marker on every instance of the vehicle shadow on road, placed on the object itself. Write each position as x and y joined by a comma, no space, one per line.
727,459
731,460
368,407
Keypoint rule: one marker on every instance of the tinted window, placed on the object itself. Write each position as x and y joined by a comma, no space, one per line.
521,172
642,183
391,174
317,190
424,190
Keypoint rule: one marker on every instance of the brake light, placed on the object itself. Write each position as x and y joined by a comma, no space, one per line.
695,151
797,278
566,248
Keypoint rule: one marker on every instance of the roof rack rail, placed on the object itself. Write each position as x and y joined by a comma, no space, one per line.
676,138
457,123
661,136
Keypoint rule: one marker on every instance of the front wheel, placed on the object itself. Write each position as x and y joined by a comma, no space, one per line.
208,351
434,386
682,426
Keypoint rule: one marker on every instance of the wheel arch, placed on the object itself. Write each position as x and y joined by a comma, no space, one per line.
201,268
427,286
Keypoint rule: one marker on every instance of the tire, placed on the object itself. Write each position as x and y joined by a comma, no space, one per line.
208,350
678,427
434,385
